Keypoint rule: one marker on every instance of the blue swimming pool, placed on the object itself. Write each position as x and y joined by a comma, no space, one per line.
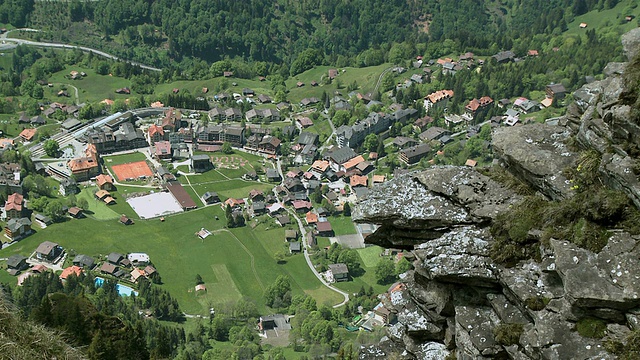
122,290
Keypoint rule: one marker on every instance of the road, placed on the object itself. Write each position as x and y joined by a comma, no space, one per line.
380,78
17,42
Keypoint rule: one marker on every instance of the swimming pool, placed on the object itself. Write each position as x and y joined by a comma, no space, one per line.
122,290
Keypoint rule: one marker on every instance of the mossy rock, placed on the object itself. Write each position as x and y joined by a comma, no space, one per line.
508,334
591,327
537,303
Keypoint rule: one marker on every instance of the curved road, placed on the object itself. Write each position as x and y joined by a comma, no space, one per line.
5,39
380,78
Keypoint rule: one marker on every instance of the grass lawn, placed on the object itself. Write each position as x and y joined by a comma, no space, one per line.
92,88
97,209
342,225
320,126
220,83
611,18
232,264
370,255
124,159
235,188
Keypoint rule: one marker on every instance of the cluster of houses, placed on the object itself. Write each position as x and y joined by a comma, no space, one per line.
375,123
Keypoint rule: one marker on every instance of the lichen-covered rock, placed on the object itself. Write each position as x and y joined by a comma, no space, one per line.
507,312
474,331
619,174
418,324
460,256
432,351
631,43
537,154
609,279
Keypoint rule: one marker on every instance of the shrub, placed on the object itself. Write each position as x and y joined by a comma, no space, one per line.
508,334
591,327
537,303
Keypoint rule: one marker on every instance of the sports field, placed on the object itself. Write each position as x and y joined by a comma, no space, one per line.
133,170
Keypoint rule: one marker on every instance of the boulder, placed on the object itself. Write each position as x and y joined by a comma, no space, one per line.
474,331
631,43
537,154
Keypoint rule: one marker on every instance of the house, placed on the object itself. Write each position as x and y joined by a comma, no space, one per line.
210,197
248,92
269,145
306,102
471,163
340,156
273,175
28,134
126,220
105,182
439,98
258,207
37,120
48,251
434,133
13,207
227,74
299,84
138,259
256,195
200,163
320,166
283,220
384,315
476,105
324,228
136,274
149,270
84,261
378,179
17,262
403,142
291,235
532,52
115,258
43,220
556,91
504,56
233,203
124,90
583,25
295,247
311,218
307,138
304,122
68,186
302,206
413,154
156,133
275,208
264,99
71,270
333,73
108,268
357,180
340,272
85,167
271,322
76,212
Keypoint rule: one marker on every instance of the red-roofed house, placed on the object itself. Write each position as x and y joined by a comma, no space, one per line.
233,203
351,164
156,133
311,218
439,98
104,182
302,206
357,180
163,150
70,270
532,53
13,206
28,134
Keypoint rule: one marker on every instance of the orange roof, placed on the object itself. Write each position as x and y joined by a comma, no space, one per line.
70,270
153,129
102,193
91,150
14,202
471,163
473,105
311,218
378,179
28,134
137,273
546,102
83,163
320,165
439,95
353,162
157,104
357,180
103,179
107,102
485,100
109,200
532,53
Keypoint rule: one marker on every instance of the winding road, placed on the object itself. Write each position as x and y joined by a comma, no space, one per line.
15,42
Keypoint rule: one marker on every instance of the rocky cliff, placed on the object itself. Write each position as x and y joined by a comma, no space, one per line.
569,300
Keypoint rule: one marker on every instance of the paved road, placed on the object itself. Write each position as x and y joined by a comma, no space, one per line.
16,42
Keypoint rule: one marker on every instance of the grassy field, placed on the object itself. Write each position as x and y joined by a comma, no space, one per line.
123,159
365,77
220,83
232,263
92,88
607,19
320,126
342,225
370,255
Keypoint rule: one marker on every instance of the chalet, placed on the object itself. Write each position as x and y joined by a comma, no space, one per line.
471,163
378,179
434,133
210,197
200,163
149,270
293,185
290,235
264,99
156,133
439,98
136,274
269,145
311,218
43,220
306,102
84,261
37,120
75,212
227,74
364,167
556,91
248,92
115,258
124,90
333,73
304,122
258,207
273,175
17,228
283,220
85,167
339,272
71,270
271,322
299,84
48,251
295,247
17,262
233,203
126,220
324,229
532,52
357,180
256,195
68,186
504,56
302,206
13,207
283,106
320,166
28,134
108,268
105,182
583,25
403,142
413,154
